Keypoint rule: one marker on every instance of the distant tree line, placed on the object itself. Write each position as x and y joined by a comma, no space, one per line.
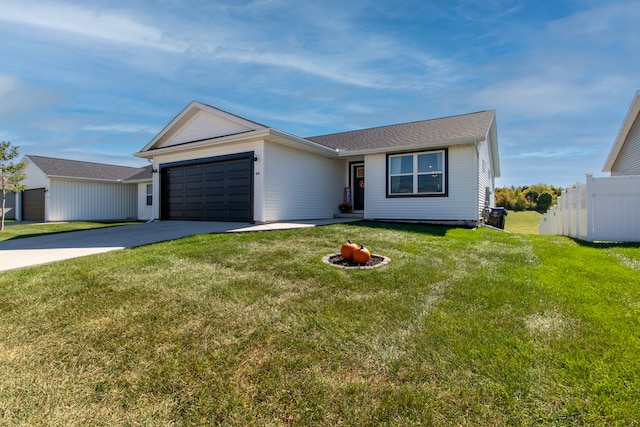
538,197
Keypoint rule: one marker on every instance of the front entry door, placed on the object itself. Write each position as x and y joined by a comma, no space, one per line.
357,184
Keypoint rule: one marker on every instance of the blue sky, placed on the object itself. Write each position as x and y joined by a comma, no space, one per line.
97,80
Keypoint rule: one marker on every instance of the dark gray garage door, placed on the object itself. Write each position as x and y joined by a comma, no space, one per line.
217,190
33,205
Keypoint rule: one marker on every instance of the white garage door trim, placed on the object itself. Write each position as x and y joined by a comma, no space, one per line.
210,189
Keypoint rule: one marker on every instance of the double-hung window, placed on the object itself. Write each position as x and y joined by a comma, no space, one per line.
417,174
149,194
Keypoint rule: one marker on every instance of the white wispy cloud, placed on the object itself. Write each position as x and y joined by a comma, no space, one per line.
601,24
18,98
568,69
83,21
550,153
7,83
487,11
306,116
546,95
366,60
120,128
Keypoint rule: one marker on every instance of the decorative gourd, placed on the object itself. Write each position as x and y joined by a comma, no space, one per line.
348,249
362,255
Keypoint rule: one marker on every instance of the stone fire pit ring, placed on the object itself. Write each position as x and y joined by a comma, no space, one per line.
336,260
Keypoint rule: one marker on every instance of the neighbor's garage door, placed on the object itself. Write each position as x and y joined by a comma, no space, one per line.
33,205
216,190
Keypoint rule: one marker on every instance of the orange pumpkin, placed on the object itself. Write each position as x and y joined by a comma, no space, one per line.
348,249
362,255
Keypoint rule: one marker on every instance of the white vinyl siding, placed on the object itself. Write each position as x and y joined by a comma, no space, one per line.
145,211
459,205
75,200
300,185
628,160
35,177
485,176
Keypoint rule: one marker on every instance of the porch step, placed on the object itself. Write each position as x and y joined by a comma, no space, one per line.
349,215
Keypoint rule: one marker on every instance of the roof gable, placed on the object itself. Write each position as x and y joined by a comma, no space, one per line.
621,139
198,122
62,168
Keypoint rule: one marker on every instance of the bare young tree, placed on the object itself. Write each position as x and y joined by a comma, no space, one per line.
11,174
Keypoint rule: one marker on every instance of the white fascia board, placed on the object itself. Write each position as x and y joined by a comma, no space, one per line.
301,143
634,109
412,147
243,137
495,155
76,178
136,181
268,134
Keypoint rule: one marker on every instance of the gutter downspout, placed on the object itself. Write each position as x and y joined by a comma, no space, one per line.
477,183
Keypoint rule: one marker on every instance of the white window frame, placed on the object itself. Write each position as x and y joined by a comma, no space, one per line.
415,173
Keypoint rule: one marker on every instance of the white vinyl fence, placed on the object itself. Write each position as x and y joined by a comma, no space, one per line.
602,209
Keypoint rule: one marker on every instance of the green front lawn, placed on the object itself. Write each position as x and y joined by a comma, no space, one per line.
525,222
18,231
463,327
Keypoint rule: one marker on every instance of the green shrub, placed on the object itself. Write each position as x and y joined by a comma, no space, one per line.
545,200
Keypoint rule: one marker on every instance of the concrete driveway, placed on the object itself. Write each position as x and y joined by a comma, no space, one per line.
38,250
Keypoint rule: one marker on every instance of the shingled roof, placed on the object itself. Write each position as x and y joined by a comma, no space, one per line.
143,174
63,168
442,131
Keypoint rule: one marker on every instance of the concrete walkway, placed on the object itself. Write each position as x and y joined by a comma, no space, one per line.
18,253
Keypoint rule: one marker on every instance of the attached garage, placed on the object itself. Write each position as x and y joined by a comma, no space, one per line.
213,189
33,205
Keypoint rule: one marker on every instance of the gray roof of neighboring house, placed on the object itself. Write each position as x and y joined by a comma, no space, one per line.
88,170
442,131
144,174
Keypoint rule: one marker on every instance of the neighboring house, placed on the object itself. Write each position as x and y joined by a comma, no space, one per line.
213,165
607,208
624,157
70,190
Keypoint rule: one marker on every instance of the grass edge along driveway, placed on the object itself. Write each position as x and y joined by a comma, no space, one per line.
20,231
463,327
